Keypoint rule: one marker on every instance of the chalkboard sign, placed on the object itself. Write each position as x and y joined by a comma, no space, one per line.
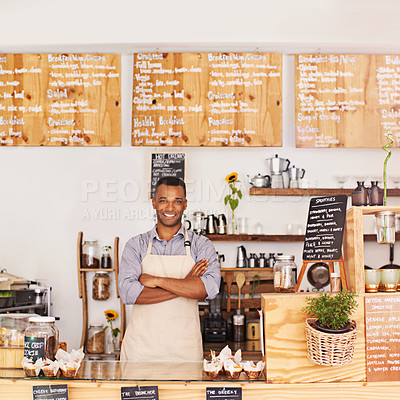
50,392
382,337
207,99
60,100
347,100
325,225
34,348
166,164
139,392
225,393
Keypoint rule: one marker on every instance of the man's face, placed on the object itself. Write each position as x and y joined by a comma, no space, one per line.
169,203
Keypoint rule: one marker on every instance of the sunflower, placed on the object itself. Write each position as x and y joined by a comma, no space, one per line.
231,177
111,315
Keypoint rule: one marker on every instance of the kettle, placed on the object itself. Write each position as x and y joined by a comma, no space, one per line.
260,181
277,165
221,224
211,224
241,259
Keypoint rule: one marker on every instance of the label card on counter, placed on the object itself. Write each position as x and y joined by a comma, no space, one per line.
207,99
382,337
50,392
224,393
325,226
139,392
166,164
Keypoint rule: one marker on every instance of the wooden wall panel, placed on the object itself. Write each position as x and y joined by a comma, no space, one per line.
207,99
347,100
60,99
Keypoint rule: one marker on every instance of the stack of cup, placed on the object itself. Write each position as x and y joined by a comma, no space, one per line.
385,280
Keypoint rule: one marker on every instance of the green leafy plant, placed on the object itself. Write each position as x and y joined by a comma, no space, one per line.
233,198
331,311
389,135
106,248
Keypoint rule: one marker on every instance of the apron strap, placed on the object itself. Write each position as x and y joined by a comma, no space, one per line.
187,247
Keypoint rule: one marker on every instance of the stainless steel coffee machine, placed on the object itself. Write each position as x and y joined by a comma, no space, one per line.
277,167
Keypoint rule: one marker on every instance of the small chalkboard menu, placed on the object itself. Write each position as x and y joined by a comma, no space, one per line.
382,337
224,393
325,226
166,164
50,392
347,100
60,100
139,392
207,99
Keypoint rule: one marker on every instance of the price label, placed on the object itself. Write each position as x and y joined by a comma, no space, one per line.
225,393
34,348
139,392
50,392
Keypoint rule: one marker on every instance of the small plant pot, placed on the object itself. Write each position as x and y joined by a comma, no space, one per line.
329,349
332,331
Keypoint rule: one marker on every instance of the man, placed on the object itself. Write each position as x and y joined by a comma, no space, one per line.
164,273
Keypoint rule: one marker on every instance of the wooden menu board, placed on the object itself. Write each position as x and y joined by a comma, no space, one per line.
325,227
60,99
382,337
207,99
347,100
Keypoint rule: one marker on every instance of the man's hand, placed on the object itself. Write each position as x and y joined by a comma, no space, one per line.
199,268
148,280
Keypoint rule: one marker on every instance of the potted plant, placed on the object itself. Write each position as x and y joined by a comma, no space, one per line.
330,332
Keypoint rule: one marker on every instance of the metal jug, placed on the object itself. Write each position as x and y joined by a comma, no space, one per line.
277,165
221,224
241,259
260,181
211,224
296,173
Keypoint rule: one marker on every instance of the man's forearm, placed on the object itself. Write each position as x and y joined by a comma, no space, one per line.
191,287
154,295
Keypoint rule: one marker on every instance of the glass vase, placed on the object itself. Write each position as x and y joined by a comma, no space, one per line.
233,225
385,227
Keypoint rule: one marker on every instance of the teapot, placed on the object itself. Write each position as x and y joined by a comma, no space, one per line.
260,181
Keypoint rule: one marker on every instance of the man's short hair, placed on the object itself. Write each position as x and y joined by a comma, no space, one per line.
170,181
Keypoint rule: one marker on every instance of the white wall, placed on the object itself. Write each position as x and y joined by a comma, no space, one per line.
44,199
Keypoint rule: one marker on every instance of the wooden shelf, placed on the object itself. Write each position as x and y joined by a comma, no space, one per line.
256,238
236,269
96,269
309,192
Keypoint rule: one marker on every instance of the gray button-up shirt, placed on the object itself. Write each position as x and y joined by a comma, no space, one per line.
136,248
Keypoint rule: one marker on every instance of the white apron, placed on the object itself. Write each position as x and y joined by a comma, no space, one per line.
169,330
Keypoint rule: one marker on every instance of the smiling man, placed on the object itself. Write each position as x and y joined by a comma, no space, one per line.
163,273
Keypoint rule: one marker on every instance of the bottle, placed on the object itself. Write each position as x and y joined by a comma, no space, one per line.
101,286
262,261
106,258
285,274
95,342
271,260
41,339
238,326
253,261
359,197
90,254
376,194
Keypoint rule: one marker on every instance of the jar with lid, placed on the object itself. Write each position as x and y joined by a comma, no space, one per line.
106,258
101,286
285,274
90,254
238,326
41,339
96,336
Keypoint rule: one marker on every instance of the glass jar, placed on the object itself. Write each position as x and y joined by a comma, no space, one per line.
41,339
285,274
101,286
90,254
385,227
106,258
95,342
238,326
359,197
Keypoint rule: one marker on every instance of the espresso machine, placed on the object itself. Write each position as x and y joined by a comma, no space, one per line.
215,327
295,174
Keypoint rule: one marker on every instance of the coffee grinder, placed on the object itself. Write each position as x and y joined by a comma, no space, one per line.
215,327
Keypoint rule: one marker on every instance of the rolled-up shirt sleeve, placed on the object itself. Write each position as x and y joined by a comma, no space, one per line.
130,270
212,277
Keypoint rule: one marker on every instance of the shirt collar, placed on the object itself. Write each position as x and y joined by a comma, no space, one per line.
154,233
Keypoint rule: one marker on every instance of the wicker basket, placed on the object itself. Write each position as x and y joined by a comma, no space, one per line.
329,348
